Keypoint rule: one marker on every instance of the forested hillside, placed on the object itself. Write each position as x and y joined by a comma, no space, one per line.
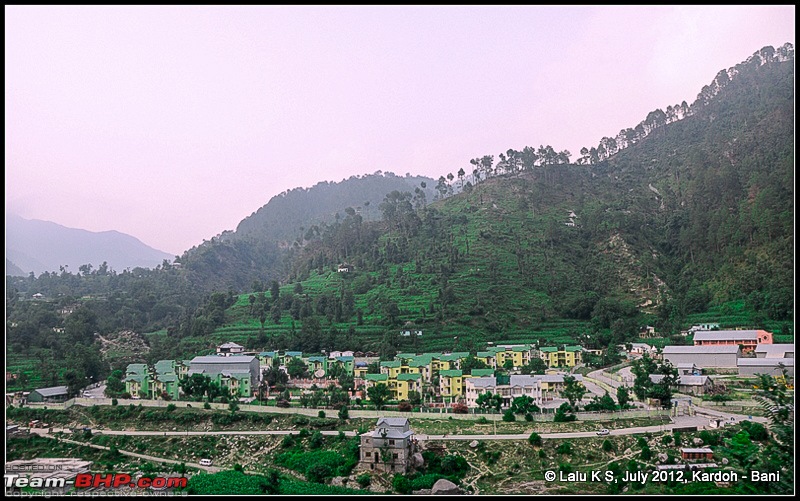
687,216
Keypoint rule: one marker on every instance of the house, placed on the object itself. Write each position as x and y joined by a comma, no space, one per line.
647,331
138,380
228,349
411,332
344,268
688,384
701,453
389,447
488,358
748,340
451,384
38,295
238,373
723,356
48,395
404,384
687,369
641,348
360,369
703,327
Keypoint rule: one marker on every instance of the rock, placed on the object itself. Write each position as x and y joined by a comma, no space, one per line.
423,492
417,460
339,481
724,460
473,444
662,456
444,486
697,441
627,451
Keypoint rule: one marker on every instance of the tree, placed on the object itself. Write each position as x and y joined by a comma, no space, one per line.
273,376
296,368
461,177
564,414
414,398
524,405
535,439
535,366
115,387
489,401
275,291
508,416
573,390
470,363
378,395
623,396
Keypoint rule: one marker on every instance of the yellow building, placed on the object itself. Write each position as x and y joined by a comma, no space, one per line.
487,357
406,383
451,384
564,356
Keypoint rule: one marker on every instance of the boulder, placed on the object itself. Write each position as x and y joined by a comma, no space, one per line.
662,456
724,460
444,486
697,441
627,451
417,460
423,492
339,481
473,444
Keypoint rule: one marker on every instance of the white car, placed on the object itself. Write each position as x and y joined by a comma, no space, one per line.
603,432
205,462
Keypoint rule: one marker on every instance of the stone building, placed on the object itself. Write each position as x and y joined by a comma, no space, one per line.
388,447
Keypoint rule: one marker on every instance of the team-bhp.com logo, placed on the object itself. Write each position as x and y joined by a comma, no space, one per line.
95,481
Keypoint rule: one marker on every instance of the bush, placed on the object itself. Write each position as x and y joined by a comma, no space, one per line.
304,433
667,439
564,448
508,416
542,454
321,414
300,420
364,480
482,420
171,407
535,439
318,473
565,467
460,408
453,464
206,406
709,438
114,401
529,417
607,445
757,431
316,441
238,467
287,441
404,406
401,484
344,414
282,403
647,454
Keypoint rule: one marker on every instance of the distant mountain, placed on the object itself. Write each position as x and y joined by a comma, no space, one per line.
254,252
13,270
39,246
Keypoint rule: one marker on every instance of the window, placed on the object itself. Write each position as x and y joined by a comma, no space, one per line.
391,442
394,455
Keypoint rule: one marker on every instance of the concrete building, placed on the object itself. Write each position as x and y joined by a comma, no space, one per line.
388,447
52,394
515,386
748,340
771,366
698,453
238,373
720,356
228,349
775,351
564,356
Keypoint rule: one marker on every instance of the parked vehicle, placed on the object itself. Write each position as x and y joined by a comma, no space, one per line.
603,432
206,462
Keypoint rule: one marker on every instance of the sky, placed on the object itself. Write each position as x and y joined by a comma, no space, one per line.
173,123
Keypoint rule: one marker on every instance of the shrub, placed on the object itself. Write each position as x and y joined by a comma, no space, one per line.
300,420
607,445
508,416
565,467
238,467
321,414
344,413
460,408
667,439
287,441
282,403
709,438
453,464
757,431
171,407
647,454
364,480
206,406
318,473
233,406
404,406
401,484
535,439
304,433
114,401
529,417
482,420
564,448
316,441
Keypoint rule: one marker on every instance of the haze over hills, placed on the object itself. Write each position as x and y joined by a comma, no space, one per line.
39,246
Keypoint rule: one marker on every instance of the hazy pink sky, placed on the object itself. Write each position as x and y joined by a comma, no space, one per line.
174,123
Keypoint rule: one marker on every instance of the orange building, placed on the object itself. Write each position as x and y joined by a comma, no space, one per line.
747,339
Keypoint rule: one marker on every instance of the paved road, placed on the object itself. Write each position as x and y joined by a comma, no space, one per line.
97,392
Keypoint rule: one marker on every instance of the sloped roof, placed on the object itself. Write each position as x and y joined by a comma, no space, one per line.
725,335
482,372
52,391
720,349
391,363
765,362
483,382
214,359
408,377
231,345
451,373
376,377
485,354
